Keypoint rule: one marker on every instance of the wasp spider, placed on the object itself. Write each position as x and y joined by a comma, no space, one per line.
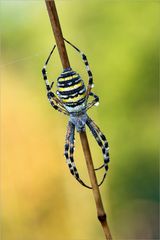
72,100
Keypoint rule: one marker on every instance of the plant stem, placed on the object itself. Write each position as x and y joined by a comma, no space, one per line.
96,192
54,19
65,63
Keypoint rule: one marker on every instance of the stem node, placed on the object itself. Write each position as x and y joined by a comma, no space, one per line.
102,218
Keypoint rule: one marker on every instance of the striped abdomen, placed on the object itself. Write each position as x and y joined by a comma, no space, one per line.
71,90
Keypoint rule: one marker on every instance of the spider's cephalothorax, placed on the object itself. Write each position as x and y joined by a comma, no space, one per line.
72,99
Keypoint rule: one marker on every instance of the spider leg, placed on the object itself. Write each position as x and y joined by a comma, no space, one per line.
101,145
85,60
102,142
105,148
53,99
44,72
94,102
69,151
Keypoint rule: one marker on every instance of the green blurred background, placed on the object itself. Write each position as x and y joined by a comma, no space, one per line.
40,199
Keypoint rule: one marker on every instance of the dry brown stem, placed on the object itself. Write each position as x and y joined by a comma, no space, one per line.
65,63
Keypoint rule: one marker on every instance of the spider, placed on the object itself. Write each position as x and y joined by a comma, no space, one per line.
72,100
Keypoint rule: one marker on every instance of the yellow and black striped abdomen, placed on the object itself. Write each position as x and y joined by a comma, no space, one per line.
71,89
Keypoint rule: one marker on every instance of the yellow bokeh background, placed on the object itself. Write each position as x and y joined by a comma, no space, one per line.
39,197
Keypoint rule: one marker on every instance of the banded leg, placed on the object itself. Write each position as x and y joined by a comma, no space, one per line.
105,149
94,102
69,151
54,101
84,58
51,99
44,72
102,142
